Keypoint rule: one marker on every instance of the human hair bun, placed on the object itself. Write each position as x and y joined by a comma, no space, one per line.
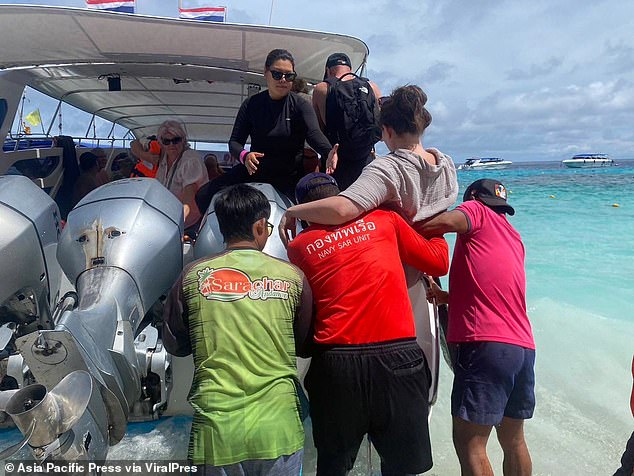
405,111
410,94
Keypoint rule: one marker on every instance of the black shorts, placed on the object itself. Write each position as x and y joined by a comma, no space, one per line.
493,380
376,389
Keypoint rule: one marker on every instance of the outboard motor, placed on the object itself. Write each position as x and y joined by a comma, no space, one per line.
122,249
210,240
29,274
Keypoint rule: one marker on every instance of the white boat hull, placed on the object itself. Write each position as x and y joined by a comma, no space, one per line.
485,164
485,167
586,164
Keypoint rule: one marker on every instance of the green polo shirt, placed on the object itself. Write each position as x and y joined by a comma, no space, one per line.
240,307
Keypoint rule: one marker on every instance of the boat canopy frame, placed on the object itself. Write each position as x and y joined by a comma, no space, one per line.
193,71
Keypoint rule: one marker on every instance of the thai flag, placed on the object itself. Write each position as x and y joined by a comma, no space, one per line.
123,6
204,13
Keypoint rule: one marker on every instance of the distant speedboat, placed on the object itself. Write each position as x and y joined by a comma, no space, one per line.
485,163
588,160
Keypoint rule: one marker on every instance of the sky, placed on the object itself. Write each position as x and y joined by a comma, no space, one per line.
538,80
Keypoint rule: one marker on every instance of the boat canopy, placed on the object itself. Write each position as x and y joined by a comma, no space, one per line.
193,71
591,156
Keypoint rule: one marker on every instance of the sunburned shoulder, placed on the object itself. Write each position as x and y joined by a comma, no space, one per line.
321,87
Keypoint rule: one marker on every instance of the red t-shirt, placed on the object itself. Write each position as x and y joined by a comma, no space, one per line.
356,274
487,281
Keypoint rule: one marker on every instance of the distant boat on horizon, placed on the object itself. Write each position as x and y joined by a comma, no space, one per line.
485,163
588,160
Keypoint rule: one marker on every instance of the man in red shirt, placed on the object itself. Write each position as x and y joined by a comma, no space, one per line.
368,374
494,382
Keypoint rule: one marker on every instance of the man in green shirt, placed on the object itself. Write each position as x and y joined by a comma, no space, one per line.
245,316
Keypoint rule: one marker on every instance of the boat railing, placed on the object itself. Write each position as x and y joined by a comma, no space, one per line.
42,165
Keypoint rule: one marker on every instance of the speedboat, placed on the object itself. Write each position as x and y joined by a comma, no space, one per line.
588,160
77,331
485,163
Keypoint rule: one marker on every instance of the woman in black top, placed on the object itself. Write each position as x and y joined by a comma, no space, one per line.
278,122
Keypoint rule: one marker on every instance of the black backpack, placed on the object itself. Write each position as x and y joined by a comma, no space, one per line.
352,114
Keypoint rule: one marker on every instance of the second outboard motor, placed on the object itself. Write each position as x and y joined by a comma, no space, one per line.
29,274
122,249
28,243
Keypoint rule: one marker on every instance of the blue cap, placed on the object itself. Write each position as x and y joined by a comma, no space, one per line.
310,182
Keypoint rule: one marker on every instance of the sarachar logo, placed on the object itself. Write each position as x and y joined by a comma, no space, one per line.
229,284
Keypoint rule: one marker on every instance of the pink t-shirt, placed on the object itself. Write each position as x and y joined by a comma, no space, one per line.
487,281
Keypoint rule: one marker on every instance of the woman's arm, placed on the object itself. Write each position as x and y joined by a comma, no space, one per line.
327,211
240,132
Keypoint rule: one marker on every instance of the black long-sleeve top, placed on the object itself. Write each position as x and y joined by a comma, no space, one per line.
278,129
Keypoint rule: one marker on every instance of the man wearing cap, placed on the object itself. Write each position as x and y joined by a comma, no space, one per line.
352,156
368,374
493,373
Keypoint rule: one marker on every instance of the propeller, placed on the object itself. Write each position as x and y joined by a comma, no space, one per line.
42,415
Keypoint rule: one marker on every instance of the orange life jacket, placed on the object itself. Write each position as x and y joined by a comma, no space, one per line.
142,169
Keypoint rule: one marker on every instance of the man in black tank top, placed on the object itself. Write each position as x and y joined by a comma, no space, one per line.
336,110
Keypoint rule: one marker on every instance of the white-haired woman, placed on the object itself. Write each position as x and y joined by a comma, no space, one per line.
180,168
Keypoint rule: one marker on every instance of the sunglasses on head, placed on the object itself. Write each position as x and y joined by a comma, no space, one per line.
384,99
175,140
277,75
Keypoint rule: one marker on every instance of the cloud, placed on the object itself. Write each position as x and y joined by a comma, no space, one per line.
619,57
440,71
549,121
535,70
508,78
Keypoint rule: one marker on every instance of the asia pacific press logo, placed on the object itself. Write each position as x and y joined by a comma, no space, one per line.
229,284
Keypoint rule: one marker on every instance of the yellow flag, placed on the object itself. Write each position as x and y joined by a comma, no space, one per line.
34,118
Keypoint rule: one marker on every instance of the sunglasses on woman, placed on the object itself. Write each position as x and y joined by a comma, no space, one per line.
277,75
175,140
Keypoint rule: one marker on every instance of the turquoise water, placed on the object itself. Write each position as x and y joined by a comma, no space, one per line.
580,279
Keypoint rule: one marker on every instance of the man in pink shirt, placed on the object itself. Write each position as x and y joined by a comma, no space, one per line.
494,381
